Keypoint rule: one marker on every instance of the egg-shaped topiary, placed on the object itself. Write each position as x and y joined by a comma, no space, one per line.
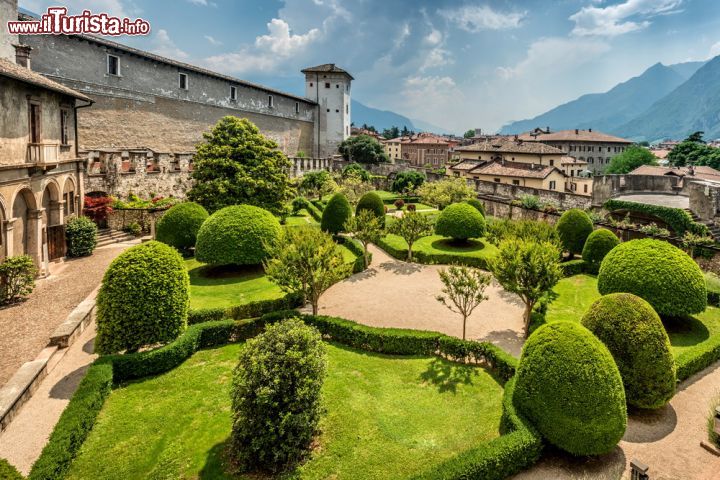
336,213
569,387
143,299
573,228
460,221
372,201
237,235
636,338
474,202
179,226
663,275
597,245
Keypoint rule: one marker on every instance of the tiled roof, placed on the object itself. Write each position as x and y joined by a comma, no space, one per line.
514,169
572,161
701,172
571,135
429,139
13,70
466,165
326,68
510,145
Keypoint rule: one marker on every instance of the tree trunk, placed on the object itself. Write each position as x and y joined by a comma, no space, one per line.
526,317
314,304
365,256
464,324
409,257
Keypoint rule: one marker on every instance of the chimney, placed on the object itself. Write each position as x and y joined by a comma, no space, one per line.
22,55
576,131
547,129
516,138
590,130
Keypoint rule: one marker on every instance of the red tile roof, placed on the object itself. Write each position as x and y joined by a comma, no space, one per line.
576,135
510,145
514,169
17,72
700,172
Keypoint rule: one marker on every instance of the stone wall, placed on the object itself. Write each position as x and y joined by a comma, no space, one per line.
118,219
561,200
606,187
704,199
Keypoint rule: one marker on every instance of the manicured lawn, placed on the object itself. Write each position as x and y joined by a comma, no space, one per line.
438,245
301,219
387,417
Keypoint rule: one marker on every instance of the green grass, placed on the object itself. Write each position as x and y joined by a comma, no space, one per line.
387,417
301,219
438,245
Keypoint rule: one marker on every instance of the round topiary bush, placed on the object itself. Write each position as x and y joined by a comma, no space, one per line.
569,387
80,237
474,202
636,338
663,275
460,221
143,299
372,201
336,213
597,245
573,228
276,396
237,235
180,224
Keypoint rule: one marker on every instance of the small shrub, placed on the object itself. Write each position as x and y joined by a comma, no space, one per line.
569,387
336,213
411,207
8,472
97,208
460,221
179,226
237,235
636,338
17,278
573,228
143,299
356,170
530,202
133,228
371,201
276,398
499,230
654,270
653,229
597,245
298,204
80,237
399,203
407,181
477,204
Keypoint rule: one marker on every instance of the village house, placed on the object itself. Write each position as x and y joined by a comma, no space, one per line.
425,150
392,148
512,150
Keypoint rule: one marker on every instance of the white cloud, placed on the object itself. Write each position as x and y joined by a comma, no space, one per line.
554,55
437,57
612,20
429,90
475,18
202,3
434,37
213,40
164,46
281,42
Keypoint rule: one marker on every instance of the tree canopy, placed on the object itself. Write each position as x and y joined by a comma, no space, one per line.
630,159
694,151
469,134
363,149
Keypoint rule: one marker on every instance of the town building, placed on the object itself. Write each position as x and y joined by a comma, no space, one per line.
329,87
543,177
425,150
512,150
686,173
578,179
596,148
392,148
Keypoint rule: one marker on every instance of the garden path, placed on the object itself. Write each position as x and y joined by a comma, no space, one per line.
392,293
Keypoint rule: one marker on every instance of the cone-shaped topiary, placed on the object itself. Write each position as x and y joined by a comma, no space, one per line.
569,387
597,245
573,228
237,235
665,276
180,224
80,237
636,338
474,202
143,299
372,201
460,221
336,213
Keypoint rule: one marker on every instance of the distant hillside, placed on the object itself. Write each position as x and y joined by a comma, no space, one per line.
380,119
692,106
606,111
424,126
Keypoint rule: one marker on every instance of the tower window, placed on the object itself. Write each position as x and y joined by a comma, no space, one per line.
297,107
113,65
328,110
311,84
183,79
233,93
327,84
337,85
270,101
337,110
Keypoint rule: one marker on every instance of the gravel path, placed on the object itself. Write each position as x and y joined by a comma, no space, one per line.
392,293
26,327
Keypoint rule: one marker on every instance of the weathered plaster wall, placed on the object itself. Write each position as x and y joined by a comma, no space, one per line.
606,187
8,10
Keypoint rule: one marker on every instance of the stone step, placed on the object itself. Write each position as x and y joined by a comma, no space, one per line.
109,237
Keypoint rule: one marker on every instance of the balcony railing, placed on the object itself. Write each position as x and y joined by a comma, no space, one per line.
43,153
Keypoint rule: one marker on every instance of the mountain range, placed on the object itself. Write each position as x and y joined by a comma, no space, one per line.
380,119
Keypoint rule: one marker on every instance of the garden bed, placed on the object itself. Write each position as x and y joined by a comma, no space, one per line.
435,249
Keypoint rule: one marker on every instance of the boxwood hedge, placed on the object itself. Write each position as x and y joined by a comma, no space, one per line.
597,245
677,219
179,226
477,204
81,237
460,221
336,213
372,201
574,227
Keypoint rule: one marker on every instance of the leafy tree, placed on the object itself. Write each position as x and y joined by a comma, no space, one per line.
407,182
307,261
412,226
694,151
392,132
318,183
445,192
469,134
366,227
405,132
363,149
630,159
696,137
463,289
528,269
354,187
236,164
355,169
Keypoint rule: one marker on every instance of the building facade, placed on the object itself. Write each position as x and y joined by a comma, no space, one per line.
328,86
511,150
425,150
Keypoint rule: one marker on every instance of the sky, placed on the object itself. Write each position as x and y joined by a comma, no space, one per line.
454,63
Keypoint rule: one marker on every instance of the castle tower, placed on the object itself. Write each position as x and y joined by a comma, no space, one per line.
329,86
8,12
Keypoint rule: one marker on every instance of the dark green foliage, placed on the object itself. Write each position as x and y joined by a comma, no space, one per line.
237,235
8,472
573,228
574,267
407,181
357,249
336,213
179,226
356,170
597,245
474,202
663,275
246,310
362,149
694,151
569,387
276,398
235,164
372,201
632,158
460,221
301,202
80,237
317,183
504,229
677,219
17,278
433,258
636,338
143,299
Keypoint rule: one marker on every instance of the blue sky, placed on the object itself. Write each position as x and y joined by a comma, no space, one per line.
455,63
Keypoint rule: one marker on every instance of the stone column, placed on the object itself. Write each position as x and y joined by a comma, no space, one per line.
56,215
7,233
34,235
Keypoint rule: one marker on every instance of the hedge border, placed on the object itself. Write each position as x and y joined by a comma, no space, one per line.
77,420
677,219
433,258
356,248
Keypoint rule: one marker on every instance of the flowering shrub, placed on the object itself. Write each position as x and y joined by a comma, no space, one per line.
98,208
399,203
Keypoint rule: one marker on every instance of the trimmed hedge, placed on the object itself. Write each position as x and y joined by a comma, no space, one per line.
336,213
477,204
663,275
433,258
677,219
372,201
81,237
460,221
574,227
573,267
598,244
247,310
179,226
569,387
636,338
